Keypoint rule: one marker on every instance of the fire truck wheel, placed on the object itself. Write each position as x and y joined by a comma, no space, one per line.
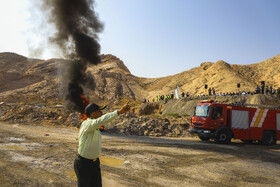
268,138
223,137
204,139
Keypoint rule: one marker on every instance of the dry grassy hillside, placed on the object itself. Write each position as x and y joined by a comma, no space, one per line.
267,70
114,81
40,79
222,76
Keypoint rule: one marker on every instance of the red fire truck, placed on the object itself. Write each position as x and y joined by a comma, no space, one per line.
222,122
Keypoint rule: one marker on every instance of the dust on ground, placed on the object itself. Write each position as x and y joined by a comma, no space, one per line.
43,156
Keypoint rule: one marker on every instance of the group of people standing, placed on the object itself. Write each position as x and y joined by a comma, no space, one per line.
212,92
267,90
162,97
170,96
185,94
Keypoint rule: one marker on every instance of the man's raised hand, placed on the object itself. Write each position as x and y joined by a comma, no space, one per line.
125,108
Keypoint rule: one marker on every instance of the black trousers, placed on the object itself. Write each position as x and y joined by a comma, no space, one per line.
88,172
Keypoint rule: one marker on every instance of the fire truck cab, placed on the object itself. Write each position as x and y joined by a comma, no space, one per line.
223,122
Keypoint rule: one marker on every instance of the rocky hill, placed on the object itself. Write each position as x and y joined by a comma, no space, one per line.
30,92
39,80
222,76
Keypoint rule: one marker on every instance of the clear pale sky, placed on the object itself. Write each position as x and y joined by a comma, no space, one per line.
157,38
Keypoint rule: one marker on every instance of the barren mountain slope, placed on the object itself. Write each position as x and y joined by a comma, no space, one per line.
113,81
28,80
12,75
220,75
268,70
38,80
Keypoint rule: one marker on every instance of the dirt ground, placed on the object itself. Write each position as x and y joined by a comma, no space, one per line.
43,156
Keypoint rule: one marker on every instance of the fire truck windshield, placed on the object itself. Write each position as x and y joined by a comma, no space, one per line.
202,111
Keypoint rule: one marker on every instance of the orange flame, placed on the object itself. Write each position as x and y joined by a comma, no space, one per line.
83,115
85,102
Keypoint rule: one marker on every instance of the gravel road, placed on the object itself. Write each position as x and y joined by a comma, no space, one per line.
43,156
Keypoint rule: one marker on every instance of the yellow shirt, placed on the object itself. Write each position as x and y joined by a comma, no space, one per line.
90,136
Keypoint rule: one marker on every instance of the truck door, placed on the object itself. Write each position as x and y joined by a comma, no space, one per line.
217,117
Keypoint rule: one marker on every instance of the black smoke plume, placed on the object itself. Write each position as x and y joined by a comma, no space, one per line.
77,27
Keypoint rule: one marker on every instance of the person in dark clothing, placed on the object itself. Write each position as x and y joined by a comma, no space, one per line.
258,90
209,90
214,92
183,94
172,96
266,90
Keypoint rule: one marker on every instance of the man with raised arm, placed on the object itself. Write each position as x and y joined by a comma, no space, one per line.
87,165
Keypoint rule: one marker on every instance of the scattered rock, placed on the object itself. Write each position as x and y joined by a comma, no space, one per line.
149,126
150,108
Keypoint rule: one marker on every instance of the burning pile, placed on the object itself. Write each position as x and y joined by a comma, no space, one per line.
77,26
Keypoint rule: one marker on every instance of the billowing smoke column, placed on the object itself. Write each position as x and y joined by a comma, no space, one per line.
77,26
